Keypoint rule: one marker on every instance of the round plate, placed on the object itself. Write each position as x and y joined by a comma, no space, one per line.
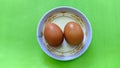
61,16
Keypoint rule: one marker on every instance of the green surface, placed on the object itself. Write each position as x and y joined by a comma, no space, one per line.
19,47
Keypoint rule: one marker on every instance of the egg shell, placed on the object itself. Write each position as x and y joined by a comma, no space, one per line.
73,33
53,34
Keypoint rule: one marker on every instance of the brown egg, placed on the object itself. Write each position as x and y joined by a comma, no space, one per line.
73,33
53,34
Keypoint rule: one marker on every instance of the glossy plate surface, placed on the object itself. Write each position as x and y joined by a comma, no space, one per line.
61,16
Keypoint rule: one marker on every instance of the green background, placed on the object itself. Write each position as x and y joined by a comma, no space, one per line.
18,43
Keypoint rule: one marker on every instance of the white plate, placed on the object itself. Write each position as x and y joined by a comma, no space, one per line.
61,16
